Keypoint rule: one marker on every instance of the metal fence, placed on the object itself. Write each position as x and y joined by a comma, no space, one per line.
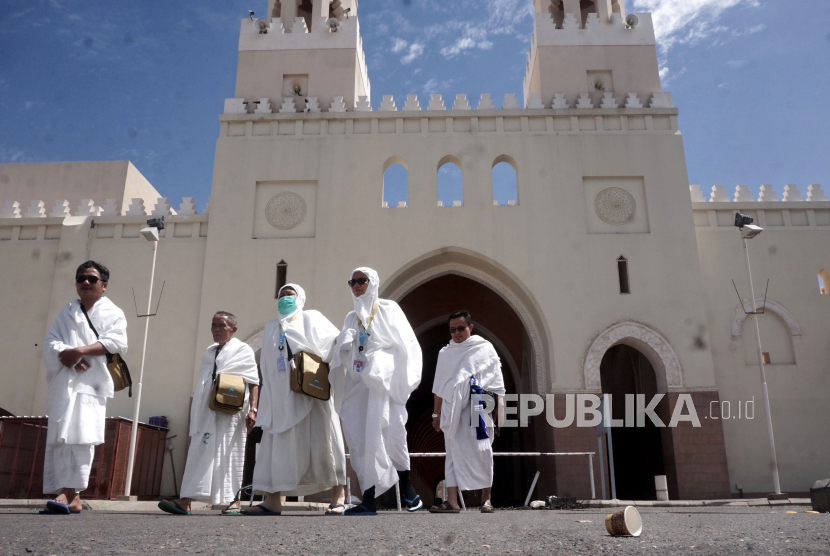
495,454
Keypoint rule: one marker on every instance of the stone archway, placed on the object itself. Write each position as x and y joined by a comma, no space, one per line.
642,338
475,267
739,315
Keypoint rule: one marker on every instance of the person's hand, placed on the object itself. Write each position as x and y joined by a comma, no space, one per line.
436,423
70,357
82,365
250,421
346,338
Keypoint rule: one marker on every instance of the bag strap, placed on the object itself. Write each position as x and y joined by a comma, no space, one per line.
215,357
88,319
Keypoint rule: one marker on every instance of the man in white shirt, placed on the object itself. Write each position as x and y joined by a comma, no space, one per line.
468,369
79,384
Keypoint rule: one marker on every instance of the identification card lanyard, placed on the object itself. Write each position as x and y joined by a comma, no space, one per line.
363,337
281,359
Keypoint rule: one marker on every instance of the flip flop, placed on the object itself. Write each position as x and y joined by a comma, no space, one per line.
55,507
359,510
444,508
414,505
232,511
265,511
330,509
172,507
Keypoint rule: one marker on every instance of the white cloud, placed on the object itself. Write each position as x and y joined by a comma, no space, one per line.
415,50
735,64
430,86
399,45
687,21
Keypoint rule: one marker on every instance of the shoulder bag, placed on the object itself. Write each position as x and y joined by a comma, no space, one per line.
309,375
116,366
228,392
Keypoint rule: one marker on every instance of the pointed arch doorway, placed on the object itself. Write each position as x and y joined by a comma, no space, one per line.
428,307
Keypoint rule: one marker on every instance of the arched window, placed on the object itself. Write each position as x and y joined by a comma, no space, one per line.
282,277
450,188
505,181
395,182
776,340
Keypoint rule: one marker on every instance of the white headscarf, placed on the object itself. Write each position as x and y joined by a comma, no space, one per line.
364,304
300,302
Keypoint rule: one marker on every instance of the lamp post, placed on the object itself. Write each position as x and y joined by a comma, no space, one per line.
748,231
151,234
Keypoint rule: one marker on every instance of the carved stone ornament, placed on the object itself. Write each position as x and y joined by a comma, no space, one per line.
286,210
620,331
615,206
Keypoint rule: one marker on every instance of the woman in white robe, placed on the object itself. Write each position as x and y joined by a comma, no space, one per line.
301,451
376,366
466,366
79,385
216,455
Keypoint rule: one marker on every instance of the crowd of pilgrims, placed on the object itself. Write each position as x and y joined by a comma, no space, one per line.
374,364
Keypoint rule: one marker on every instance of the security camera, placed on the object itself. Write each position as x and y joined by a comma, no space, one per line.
251,14
157,222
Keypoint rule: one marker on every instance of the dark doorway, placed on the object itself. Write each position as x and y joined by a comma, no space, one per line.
638,451
427,308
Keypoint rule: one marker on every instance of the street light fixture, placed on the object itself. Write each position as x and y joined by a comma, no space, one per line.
748,231
151,234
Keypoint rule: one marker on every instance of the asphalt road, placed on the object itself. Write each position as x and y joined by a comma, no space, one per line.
666,531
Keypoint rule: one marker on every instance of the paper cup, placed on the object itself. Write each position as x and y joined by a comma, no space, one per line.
626,522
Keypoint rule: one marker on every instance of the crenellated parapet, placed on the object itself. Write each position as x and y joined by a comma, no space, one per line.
560,101
38,224
792,212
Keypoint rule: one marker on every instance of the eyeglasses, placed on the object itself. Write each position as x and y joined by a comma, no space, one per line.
357,282
86,278
459,329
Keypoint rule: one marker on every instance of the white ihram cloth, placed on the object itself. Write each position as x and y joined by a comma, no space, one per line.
301,451
76,401
469,461
216,456
372,403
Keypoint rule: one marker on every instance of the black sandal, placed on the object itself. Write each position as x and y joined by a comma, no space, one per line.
444,508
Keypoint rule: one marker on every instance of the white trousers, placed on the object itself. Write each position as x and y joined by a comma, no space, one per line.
307,458
67,466
215,462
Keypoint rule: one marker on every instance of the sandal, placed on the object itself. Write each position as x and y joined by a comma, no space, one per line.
262,511
359,510
487,508
172,507
232,510
331,509
55,507
444,508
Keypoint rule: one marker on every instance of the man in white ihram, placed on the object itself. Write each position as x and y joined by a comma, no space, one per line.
79,385
468,368
216,456
376,366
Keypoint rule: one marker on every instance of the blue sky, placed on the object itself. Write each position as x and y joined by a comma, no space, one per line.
145,81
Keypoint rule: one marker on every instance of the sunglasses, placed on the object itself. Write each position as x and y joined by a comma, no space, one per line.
357,282
459,329
87,278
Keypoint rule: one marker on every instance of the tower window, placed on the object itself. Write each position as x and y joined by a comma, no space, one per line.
622,270
395,183
450,187
504,175
282,277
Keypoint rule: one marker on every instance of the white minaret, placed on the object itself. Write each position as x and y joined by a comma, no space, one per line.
587,47
295,55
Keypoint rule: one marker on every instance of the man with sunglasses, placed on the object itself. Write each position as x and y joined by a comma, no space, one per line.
375,367
79,384
467,376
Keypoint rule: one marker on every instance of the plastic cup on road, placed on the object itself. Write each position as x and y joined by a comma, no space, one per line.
624,523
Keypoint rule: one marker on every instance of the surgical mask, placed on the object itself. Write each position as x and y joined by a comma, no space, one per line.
287,305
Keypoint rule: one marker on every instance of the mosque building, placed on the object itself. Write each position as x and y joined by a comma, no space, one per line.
601,271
